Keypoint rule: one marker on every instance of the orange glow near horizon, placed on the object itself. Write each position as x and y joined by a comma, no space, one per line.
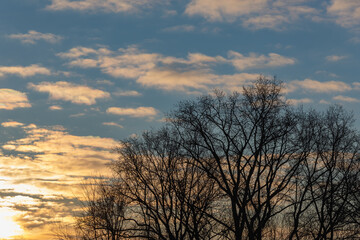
8,227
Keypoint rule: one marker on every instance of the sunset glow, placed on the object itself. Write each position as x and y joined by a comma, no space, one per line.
8,228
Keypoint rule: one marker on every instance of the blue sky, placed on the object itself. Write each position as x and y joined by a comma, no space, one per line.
76,76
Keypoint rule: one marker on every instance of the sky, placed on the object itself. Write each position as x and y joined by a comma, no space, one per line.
77,76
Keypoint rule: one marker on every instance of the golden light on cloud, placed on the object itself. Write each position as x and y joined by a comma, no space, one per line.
8,228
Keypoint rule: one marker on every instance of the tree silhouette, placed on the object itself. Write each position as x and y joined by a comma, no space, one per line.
239,166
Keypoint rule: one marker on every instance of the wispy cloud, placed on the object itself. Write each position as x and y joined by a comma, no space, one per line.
317,86
42,172
139,112
12,124
346,99
189,74
253,14
33,36
194,80
21,71
11,99
55,107
335,58
299,101
66,91
356,85
123,93
346,13
180,28
102,5
112,124
254,60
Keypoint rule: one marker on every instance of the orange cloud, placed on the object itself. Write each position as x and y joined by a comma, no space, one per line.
254,14
70,92
41,174
191,74
21,71
11,99
138,112
12,124
55,107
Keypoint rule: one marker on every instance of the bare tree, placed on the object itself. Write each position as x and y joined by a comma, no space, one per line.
171,198
327,182
245,143
240,166
104,212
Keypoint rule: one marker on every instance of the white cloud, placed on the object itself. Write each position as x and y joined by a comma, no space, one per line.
66,91
33,36
316,86
115,6
11,99
345,12
254,14
346,99
21,71
138,112
112,124
335,58
12,124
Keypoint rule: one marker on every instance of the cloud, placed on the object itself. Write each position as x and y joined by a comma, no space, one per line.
101,5
33,36
138,112
21,71
55,107
180,28
242,62
253,14
128,63
66,91
330,74
12,124
42,172
193,73
346,99
121,93
105,82
112,124
356,85
11,99
316,86
299,101
346,13
335,58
